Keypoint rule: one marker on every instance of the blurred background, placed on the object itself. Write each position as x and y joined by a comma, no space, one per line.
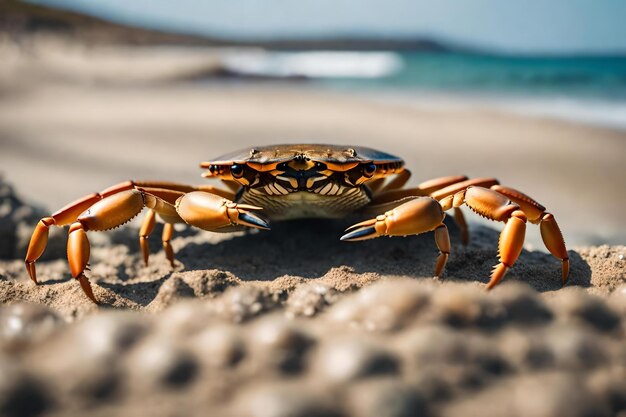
533,93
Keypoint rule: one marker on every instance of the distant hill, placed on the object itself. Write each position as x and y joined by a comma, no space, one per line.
18,18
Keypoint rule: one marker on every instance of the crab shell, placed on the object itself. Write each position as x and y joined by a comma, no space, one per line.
336,157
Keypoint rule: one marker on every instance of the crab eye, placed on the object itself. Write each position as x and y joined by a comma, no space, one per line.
236,170
282,167
369,169
319,165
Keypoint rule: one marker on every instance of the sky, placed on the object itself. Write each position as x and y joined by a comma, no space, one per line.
516,26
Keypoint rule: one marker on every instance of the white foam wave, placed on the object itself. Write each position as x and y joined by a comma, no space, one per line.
317,64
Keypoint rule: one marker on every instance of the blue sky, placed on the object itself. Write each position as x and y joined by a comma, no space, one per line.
525,26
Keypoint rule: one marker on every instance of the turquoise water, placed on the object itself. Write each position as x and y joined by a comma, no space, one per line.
600,77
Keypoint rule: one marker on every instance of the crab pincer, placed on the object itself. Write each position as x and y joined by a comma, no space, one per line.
419,215
212,212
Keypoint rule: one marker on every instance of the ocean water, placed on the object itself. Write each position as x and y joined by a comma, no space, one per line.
586,89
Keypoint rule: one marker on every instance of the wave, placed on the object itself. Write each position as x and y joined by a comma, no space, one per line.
318,64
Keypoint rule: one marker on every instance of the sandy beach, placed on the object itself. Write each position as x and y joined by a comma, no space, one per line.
245,321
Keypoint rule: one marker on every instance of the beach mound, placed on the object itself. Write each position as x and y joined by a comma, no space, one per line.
295,323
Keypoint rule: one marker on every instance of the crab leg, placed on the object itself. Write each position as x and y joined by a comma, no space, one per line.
63,217
102,211
438,188
418,215
106,214
166,237
396,182
550,231
109,213
147,226
495,206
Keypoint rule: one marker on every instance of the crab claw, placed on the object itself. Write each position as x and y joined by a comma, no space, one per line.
252,220
361,231
417,216
212,212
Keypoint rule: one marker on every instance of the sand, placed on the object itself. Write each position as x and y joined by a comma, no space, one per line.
293,322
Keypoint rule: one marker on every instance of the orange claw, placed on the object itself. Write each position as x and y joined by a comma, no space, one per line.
422,214
211,212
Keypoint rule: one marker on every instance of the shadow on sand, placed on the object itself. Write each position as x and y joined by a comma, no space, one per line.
310,248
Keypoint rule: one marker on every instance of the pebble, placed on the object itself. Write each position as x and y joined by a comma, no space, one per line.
383,306
108,335
85,362
610,386
348,359
433,344
219,346
20,394
242,303
162,364
524,351
574,348
22,324
522,305
555,394
310,299
186,317
95,384
466,306
284,400
577,304
385,397
279,343
538,395
430,383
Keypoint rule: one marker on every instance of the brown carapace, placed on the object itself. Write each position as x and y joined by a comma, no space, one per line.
304,180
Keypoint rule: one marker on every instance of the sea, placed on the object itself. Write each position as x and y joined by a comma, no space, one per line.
581,89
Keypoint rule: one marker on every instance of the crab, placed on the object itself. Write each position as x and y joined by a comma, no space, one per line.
300,181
